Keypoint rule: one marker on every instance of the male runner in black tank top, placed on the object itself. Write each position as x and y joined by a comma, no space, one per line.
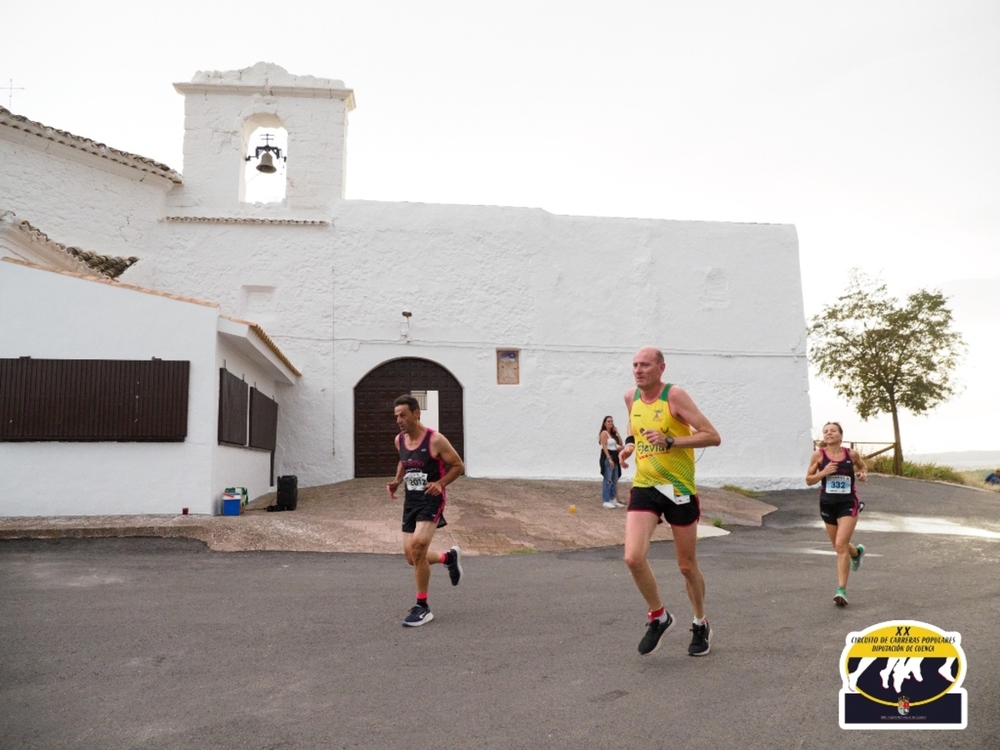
427,464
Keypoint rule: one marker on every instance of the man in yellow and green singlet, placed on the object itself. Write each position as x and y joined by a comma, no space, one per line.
664,428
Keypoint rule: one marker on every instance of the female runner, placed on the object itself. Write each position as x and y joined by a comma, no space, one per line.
839,469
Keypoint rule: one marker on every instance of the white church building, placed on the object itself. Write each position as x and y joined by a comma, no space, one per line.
325,309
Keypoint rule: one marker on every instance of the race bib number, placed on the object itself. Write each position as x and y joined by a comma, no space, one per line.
838,485
668,491
415,481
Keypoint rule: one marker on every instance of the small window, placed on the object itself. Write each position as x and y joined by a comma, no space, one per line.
263,421
234,396
508,368
93,400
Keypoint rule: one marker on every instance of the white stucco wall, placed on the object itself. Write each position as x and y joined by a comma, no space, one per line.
242,467
77,198
55,316
220,112
576,295
281,277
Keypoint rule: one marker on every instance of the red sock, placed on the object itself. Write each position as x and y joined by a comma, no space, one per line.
658,614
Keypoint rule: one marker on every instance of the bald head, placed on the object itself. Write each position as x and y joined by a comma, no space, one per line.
651,351
647,368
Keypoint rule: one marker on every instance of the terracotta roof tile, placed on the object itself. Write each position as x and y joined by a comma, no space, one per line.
245,220
267,340
108,266
19,122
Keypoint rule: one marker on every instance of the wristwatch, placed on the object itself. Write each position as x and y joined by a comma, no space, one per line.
670,442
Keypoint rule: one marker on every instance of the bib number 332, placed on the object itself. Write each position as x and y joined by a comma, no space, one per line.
838,485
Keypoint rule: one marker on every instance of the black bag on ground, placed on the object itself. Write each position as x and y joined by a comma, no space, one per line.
288,493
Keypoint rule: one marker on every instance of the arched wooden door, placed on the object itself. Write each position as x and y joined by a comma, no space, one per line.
374,423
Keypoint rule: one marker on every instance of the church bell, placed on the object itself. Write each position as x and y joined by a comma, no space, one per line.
266,164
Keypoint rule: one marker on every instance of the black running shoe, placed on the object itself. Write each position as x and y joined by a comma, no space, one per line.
655,630
418,616
700,637
455,565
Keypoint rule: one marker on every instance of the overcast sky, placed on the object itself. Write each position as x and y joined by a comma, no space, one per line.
871,126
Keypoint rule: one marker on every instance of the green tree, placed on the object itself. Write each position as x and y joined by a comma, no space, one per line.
883,356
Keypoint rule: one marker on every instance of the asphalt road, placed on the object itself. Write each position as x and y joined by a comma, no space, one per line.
160,643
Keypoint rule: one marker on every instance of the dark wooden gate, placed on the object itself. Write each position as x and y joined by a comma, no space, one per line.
374,423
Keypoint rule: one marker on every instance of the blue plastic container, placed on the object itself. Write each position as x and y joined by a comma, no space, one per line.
231,507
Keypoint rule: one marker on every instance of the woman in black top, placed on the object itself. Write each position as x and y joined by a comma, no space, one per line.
611,470
839,469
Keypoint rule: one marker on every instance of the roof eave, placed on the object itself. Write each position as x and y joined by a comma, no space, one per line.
251,340
42,136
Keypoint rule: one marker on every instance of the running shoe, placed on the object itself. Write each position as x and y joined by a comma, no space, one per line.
856,561
619,505
418,616
454,566
700,637
840,598
655,630
608,505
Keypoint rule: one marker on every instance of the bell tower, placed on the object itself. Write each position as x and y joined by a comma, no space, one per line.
224,115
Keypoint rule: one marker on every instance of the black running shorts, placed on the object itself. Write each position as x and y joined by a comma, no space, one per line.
831,510
651,500
423,508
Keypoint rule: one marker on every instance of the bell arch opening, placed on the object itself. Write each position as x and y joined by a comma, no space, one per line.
263,177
